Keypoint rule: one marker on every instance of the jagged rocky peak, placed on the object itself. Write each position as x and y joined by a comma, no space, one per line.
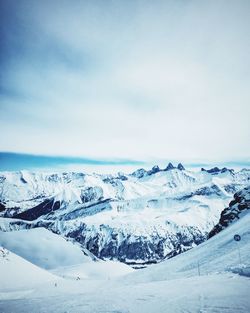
180,167
169,167
155,169
91,194
122,176
225,169
139,173
237,207
214,170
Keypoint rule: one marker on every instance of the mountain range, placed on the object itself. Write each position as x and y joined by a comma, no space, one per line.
138,219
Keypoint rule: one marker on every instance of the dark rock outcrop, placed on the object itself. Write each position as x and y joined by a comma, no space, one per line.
215,170
122,176
155,169
139,173
132,249
233,212
180,167
43,208
169,167
2,207
91,194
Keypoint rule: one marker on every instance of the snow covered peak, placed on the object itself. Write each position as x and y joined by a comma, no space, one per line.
68,195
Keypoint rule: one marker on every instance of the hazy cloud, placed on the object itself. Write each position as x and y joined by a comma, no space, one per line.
133,79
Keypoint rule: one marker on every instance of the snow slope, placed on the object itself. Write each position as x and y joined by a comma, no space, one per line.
43,248
17,273
217,293
98,270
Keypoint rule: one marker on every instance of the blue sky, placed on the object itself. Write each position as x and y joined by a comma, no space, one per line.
140,80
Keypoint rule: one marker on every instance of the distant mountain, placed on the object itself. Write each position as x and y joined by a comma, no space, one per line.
155,169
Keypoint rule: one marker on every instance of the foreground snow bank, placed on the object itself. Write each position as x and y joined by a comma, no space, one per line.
43,248
17,273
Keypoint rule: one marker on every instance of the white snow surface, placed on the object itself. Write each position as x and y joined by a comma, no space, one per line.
19,274
43,248
98,270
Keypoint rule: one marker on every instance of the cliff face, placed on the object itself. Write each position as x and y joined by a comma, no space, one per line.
236,209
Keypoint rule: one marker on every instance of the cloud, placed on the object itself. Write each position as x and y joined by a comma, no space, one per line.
133,79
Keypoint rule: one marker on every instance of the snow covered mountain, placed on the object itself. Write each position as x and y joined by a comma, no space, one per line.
140,218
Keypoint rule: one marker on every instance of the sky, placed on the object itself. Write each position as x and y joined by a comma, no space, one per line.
139,80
